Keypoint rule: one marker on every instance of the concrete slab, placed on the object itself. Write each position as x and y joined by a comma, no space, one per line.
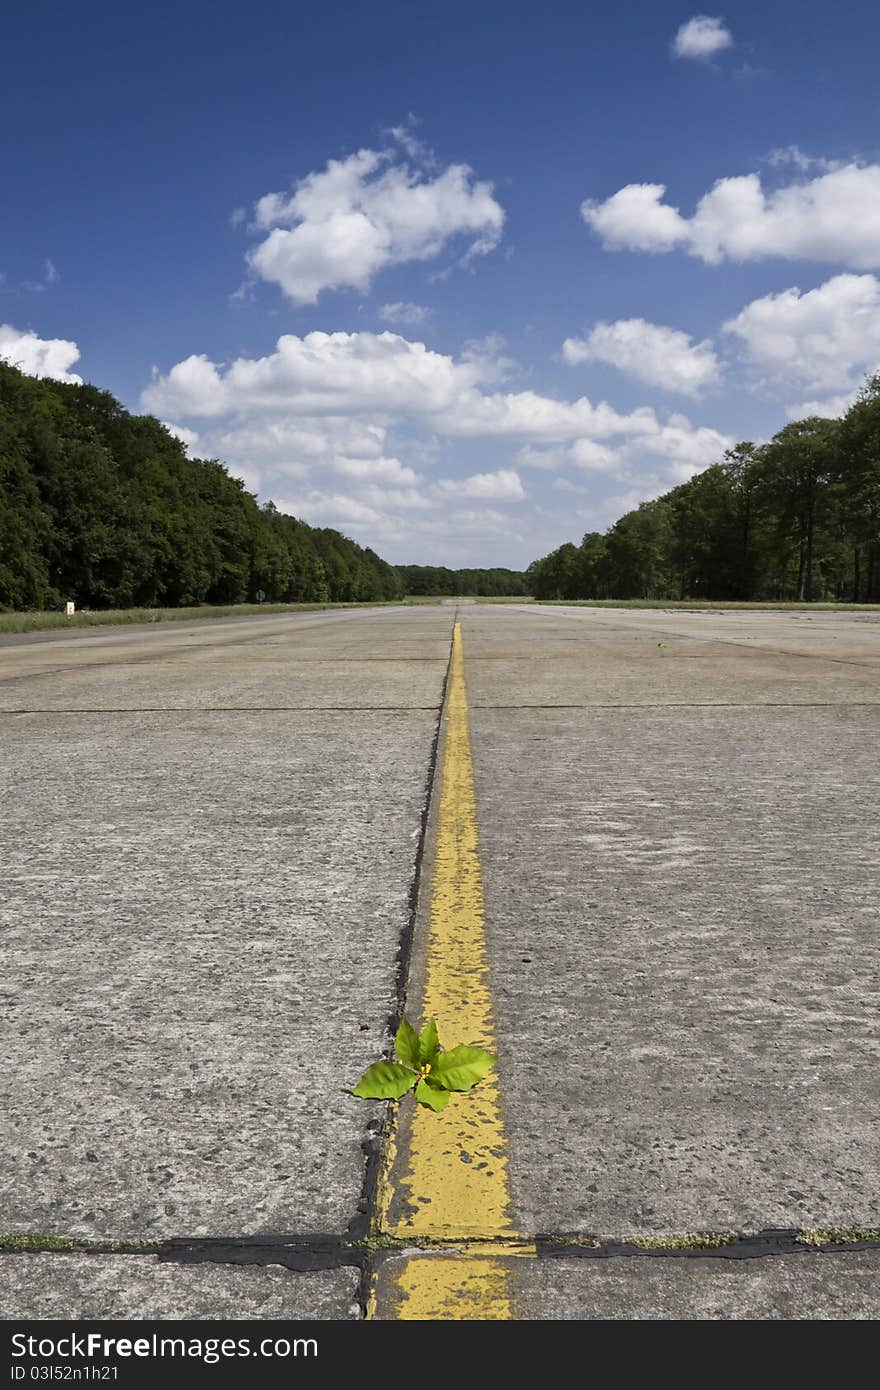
782,1288
593,657
306,661
682,913
201,915
202,908
75,1287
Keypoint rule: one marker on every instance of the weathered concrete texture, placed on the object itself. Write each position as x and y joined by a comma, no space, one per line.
682,911
521,656
785,1287
75,1287
353,659
201,918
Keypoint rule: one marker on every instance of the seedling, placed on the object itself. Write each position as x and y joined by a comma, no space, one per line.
424,1067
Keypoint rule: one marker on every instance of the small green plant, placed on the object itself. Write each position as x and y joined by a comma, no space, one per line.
424,1067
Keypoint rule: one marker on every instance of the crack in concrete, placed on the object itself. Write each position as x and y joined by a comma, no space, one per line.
307,1253
707,704
239,709
375,1143
182,649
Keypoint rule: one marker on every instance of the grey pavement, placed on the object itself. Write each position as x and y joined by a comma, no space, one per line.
202,910
209,835
681,874
141,1286
645,1288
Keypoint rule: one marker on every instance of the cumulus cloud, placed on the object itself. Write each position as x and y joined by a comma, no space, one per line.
825,339
404,312
829,409
50,357
528,416
502,486
188,438
321,373
343,429
427,531
676,447
684,447
636,219
660,356
375,470
347,387
834,217
701,38
343,224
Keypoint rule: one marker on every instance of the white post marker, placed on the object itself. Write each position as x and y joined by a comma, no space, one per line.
70,608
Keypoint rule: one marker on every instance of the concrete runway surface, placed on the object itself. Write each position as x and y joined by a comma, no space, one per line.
215,853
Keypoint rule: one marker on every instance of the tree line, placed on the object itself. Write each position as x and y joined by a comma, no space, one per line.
436,579
105,508
797,518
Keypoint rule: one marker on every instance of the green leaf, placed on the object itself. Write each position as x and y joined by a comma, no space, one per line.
407,1044
429,1042
385,1081
433,1096
461,1068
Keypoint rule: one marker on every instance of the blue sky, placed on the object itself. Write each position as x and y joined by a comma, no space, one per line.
484,328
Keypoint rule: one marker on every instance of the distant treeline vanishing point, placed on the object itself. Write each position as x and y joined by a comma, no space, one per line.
105,508
795,519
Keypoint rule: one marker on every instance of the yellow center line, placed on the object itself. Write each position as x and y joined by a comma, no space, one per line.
446,1175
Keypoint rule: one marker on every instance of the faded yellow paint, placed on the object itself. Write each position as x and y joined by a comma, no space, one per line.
453,1288
446,1175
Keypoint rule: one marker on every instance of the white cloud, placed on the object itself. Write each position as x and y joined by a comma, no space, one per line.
794,155
36,356
337,392
834,217
822,340
341,225
635,219
279,440
677,449
830,409
416,149
432,532
486,357
188,438
502,486
684,447
587,455
322,373
375,470
528,416
344,430
660,356
404,312
701,38
564,485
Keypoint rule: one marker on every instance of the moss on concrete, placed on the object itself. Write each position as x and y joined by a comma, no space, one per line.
30,1241
837,1235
